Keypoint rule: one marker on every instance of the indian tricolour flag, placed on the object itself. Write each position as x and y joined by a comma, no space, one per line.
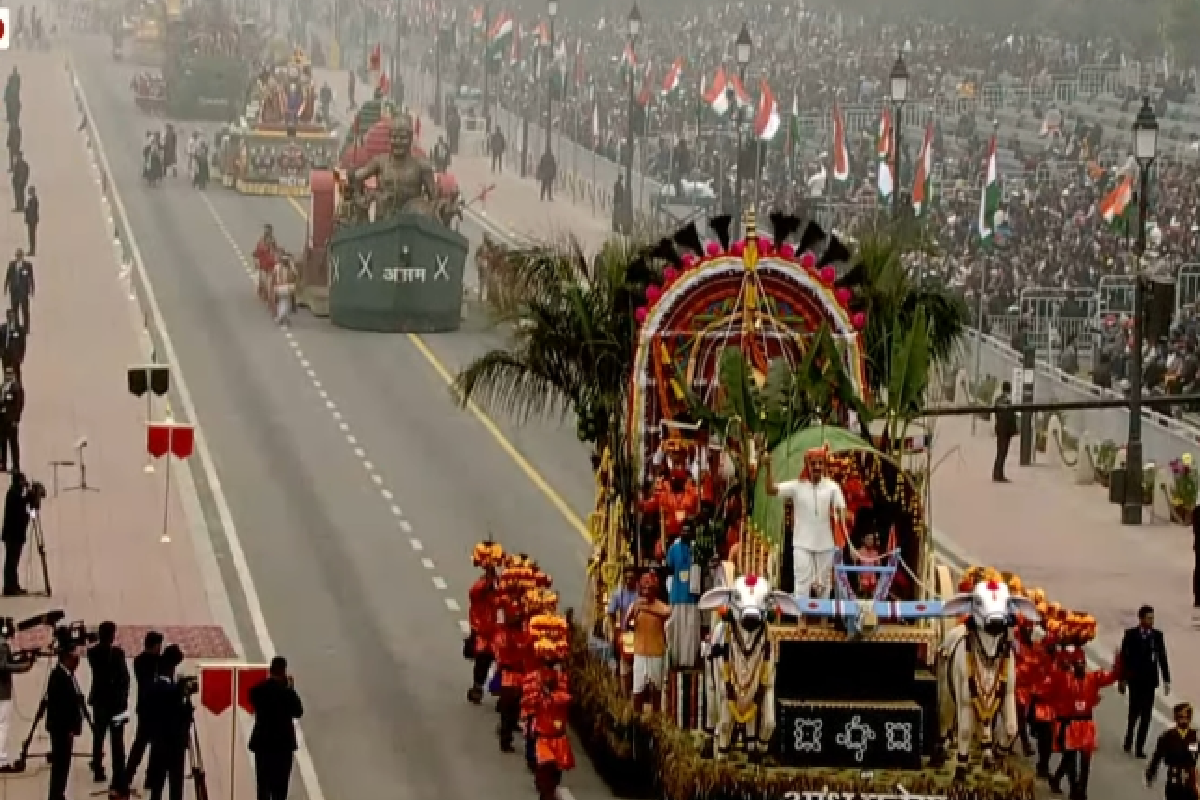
766,120
841,158
922,194
883,149
500,37
673,81
477,22
628,62
1116,204
989,196
714,96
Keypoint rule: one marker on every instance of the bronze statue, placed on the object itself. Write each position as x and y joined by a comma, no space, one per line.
405,182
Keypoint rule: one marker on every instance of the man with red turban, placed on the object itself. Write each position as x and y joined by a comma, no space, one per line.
818,521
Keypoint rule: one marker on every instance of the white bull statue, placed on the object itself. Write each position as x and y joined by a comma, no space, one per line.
740,663
977,670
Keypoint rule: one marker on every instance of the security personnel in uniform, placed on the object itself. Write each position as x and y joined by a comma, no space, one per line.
1177,748
19,283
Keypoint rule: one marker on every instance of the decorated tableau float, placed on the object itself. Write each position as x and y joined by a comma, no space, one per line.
281,137
382,252
754,432
204,70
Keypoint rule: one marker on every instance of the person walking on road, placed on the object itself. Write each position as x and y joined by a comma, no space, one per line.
1006,429
14,532
276,707
20,180
33,215
109,699
19,284
1143,658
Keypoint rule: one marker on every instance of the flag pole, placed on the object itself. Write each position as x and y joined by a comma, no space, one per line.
758,148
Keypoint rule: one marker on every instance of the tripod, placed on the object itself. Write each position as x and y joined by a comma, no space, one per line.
39,543
82,486
197,774
22,760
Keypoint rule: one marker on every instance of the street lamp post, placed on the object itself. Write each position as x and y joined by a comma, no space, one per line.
437,76
552,12
1145,148
743,50
899,87
635,30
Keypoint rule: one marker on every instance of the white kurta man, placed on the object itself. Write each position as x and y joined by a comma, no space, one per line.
818,509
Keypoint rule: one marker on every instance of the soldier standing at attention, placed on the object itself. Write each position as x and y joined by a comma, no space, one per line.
33,215
20,179
18,282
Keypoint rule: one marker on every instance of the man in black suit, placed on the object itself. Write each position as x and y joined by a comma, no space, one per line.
19,283
273,741
12,343
12,406
109,699
33,216
64,719
1143,656
171,725
145,670
1006,429
14,532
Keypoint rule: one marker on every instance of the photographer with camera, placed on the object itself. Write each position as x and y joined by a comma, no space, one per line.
109,699
276,708
170,709
14,532
64,717
145,670
9,666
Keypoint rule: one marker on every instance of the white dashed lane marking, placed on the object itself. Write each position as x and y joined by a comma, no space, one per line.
360,453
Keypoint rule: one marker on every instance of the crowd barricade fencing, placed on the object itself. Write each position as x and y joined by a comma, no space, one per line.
1187,288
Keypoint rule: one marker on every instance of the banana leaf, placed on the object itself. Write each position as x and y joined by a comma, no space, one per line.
910,368
737,389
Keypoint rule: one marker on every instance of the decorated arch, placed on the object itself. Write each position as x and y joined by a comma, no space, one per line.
769,302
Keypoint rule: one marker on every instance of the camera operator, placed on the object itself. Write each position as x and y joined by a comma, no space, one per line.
145,670
64,717
14,531
109,699
8,667
276,707
171,716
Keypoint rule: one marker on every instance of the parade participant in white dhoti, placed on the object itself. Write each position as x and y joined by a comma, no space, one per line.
818,522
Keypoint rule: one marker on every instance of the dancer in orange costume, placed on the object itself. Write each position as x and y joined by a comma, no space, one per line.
550,707
510,646
1036,675
482,611
1077,693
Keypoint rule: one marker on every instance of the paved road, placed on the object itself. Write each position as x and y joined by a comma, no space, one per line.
357,487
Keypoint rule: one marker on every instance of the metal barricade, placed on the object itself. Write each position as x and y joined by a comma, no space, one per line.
1187,288
1052,318
1066,91
992,96
1116,296
1097,79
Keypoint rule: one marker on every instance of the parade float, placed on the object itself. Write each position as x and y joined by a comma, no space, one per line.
205,71
381,251
747,364
149,93
280,138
